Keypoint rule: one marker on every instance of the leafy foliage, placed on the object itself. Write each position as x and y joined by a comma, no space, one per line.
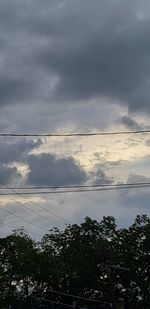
92,260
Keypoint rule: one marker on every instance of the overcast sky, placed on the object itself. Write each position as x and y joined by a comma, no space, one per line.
74,66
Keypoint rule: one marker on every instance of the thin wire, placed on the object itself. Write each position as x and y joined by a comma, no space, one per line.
22,219
86,246
82,245
131,186
66,294
14,228
48,211
51,301
36,204
73,134
68,305
62,272
19,217
74,186
31,210
74,296
117,187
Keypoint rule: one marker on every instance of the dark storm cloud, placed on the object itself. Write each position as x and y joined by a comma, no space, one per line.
46,169
75,50
17,151
14,152
130,123
111,59
112,68
14,90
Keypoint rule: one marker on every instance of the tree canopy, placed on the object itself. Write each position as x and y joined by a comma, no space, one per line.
93,260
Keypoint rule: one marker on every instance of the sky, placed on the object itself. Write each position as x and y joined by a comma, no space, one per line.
70,66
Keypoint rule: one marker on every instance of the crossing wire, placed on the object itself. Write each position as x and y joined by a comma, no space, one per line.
24,219
36,204
131,186
33,210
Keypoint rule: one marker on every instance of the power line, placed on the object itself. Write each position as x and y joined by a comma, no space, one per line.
72,134
14,228
93,189
86,246
62,293
31,210
82,245
23,219
67,305
51,301
74,186
62,272
74,296
52,270
19,217
36,204
119,186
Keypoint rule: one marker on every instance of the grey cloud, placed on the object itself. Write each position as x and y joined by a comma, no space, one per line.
6,125
17,151
134,200
111,61
46,169
130,123
99,177
93,49
14,90
133,178
19,81
9,175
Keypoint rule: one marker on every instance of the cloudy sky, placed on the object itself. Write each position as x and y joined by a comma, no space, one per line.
73,66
